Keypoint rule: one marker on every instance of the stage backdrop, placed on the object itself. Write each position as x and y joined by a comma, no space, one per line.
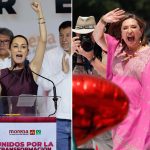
18,16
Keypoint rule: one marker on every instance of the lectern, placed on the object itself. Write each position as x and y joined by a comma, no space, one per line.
29,123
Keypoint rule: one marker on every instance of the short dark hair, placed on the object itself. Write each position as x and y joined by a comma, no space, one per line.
64,25
19,36
6,31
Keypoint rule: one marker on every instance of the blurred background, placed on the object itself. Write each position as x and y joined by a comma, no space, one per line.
97,8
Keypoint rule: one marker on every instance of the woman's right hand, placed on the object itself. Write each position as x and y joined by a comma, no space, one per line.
113,16
110,17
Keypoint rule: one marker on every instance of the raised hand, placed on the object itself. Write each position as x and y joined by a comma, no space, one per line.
36,6
36,62
114,16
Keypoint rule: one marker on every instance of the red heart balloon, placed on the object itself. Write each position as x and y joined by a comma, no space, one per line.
98,105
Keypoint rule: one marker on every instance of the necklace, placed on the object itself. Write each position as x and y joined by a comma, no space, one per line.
129,54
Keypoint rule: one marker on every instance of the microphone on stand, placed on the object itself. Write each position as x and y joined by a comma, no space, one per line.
55,98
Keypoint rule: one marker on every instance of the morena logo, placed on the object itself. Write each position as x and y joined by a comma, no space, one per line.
18,132
25,132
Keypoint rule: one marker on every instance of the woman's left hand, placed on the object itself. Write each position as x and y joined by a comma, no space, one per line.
36,6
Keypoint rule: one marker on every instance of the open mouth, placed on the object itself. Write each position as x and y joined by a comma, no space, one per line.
19,56
130,38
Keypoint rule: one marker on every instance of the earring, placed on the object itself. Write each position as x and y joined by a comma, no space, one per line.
141,39
140,42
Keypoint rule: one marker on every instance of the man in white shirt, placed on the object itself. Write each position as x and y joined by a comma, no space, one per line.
5,37
5,61
57,67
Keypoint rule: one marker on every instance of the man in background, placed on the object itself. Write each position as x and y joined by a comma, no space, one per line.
57,67
5,38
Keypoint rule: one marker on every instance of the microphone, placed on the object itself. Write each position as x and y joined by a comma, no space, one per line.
55,98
